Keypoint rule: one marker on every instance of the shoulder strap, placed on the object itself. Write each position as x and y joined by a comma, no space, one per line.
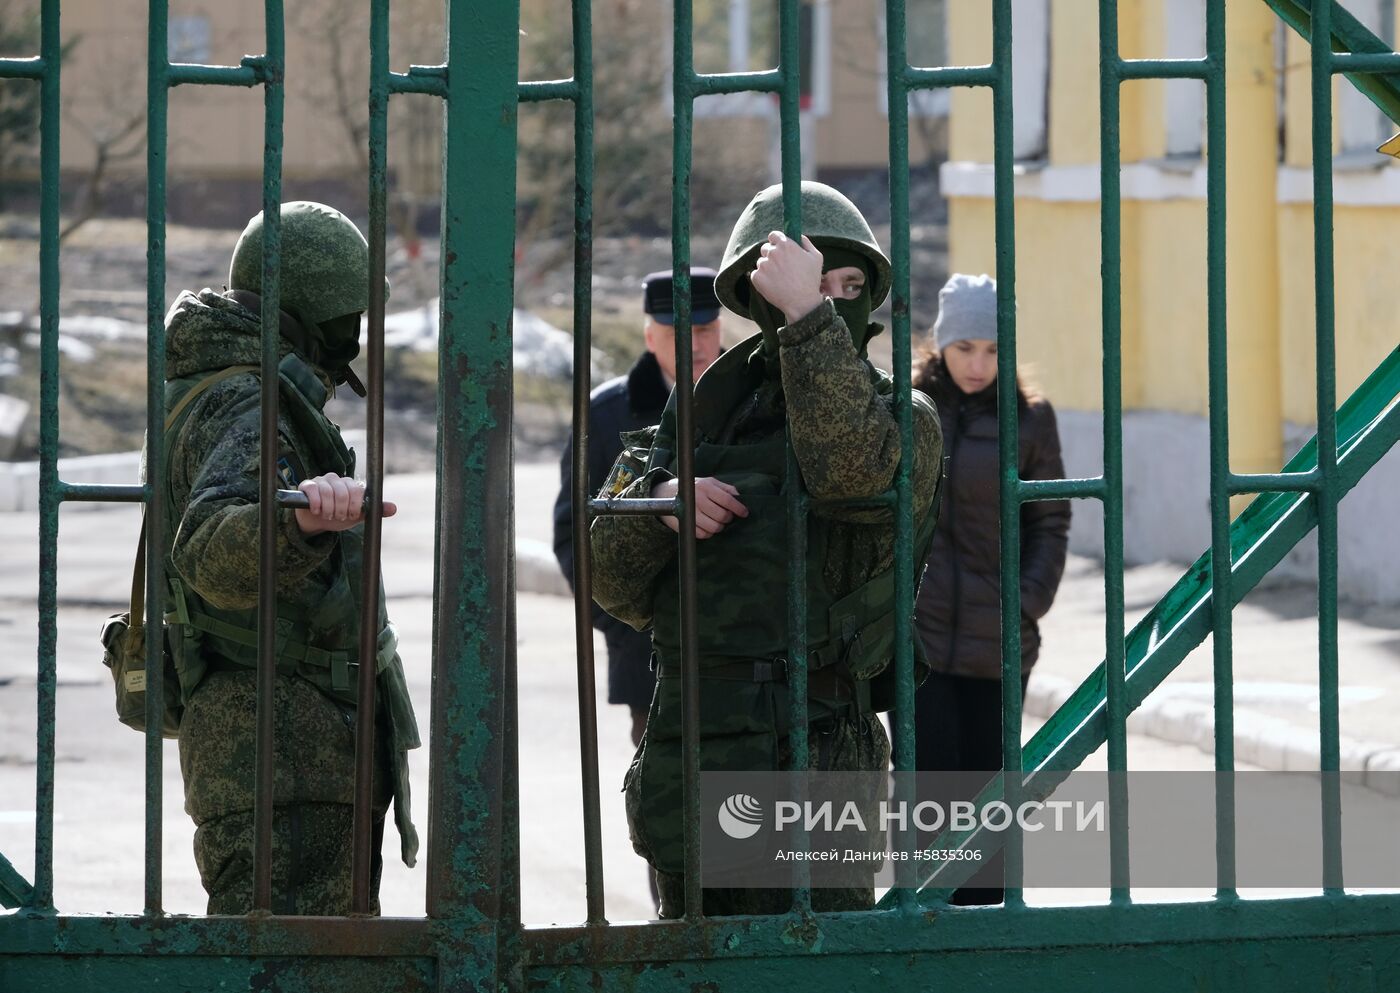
138,572
723,386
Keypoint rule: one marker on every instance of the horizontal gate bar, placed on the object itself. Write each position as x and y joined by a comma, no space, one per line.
538,91
249,73
102,492
1368,62
33,68
709,84
900,935
941,77
1162,69
1032,490
431,80
1274,482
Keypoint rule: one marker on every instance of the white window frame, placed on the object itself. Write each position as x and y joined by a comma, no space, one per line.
1185,99
1030,89
187,38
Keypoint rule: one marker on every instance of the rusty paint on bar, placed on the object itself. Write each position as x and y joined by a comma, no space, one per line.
684,84
46,684
158,97
271,69
362,831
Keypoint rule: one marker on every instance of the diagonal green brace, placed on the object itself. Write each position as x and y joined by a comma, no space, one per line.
1368,426
15,890
1351,36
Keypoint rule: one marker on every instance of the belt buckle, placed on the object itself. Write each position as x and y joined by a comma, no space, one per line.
770,671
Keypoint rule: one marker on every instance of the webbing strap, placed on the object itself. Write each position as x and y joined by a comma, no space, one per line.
338,661
138,571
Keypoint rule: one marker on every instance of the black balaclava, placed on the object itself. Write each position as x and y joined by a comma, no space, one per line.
331,345
855,313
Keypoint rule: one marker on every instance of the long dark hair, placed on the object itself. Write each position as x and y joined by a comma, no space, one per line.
931,377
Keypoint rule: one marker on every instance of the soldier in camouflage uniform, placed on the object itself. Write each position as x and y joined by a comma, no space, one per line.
213,348
805,371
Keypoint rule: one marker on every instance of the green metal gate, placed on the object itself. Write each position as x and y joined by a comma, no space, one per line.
470,936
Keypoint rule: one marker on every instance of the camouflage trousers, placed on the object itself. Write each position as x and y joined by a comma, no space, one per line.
311,844
313,793
843,744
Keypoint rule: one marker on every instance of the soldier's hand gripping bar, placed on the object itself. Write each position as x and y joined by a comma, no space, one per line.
296,499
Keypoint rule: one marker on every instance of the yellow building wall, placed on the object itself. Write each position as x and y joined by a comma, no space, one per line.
1269,259
970,43
1367,293
1074,85
1057,291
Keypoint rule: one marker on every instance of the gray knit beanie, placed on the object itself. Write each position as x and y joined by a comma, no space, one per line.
967,309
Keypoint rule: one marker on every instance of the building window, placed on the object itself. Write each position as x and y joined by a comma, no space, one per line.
926,45
1030,92
742,36
1361,124
188,39
1185,98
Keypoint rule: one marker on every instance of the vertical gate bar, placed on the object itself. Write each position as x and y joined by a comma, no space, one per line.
1222,617
1008,435
157,107
473,651
683,98
46,683
896,73
583,384
790,159
1111,248
272,70
363,826
1327,494
508,939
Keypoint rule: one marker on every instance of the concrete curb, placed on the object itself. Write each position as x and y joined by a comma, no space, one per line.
1268,742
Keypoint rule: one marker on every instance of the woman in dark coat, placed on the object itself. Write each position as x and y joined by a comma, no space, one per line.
958,615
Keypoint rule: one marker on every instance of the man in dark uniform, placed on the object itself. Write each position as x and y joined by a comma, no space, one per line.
628,403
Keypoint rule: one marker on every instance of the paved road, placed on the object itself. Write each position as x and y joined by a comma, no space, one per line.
99,791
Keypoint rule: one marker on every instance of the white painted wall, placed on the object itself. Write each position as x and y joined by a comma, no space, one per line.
1166,493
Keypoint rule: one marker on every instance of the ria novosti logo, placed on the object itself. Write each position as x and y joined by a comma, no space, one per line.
741,816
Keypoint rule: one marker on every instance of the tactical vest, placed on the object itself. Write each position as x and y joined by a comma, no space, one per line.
742,582
318,643
742,572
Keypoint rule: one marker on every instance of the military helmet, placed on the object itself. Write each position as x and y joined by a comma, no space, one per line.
325,263
828,218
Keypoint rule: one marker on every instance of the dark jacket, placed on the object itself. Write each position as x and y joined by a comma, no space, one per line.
959,607
626,403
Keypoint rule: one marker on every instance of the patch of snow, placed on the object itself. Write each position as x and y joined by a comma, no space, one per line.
100,328
541,349
74,349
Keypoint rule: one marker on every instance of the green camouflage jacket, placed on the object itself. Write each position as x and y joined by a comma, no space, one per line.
847,444
848,448
213,468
